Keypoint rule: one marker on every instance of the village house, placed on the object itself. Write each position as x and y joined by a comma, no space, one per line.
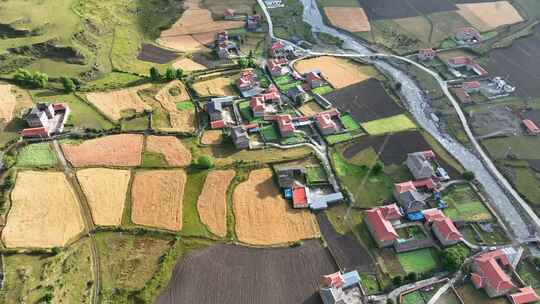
248,83
278,67
489,273
278,49
314,80
523,296
341,288
298,94
465,62
228,14
225,48
253,22
285,125
240,137
379,223
46,119
257,106
216,109
471,86
325,122
412,201
419,163
462,96
300,197
468,35
426,54
443,227
531,127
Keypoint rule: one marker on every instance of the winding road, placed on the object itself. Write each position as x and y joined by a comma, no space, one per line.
517,215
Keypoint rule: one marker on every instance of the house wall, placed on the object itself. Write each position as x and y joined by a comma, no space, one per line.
380,244
441,238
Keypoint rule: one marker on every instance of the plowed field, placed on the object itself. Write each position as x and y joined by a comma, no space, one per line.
486,16
188,65
176,154
157,199
105,190
113,103
44,211
212,137
263,217
123,150
212,203
7,103
352,19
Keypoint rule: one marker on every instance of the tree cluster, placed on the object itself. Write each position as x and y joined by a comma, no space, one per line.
170,74
35,79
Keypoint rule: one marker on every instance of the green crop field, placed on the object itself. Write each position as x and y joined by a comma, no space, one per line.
36,155
323,90
390,124
269,132
316,175
523,147
418,261
349,123
463,204
185,106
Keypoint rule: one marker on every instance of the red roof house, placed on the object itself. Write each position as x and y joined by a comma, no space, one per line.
276,49
217,124
59,107
228,13
299,197
40,132
404,187
468,35
433,214
463,96
246,80
326,124
314,80
531,126
379,225
276,67
471,86
285,124
257,106
446,231
489,274
427,54
333,280
525,295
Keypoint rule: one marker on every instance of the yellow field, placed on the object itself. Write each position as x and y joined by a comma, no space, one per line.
263,217
7,102
44,212
113,103
188,65
181,121
176,154
221,86
352,19
486,16
212,203
105,191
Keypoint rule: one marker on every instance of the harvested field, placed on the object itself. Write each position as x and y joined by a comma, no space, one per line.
44,211
105,191
188,65
520,64
171,147
212,137
310,109
365,101
391,124
113,104
263,217
221,86
393,148
185,43
349,253
169,96
282,275
122,150
212,203
155,54
338,72
7,103
352,19
157,198
392,9
486,16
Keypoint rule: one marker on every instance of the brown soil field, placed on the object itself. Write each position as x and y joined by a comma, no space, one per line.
123,150
206,39
155,54
44,211
113,103
105,190
214,87
181,121
311,109
188,65
213,137
157,198
486,16
352,19
171,147
7,103
183,43
339,72
263,217
212,203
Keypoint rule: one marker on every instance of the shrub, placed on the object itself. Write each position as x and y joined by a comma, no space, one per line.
468,175
454,257
205,161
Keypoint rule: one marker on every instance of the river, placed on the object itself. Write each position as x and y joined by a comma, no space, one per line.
420,109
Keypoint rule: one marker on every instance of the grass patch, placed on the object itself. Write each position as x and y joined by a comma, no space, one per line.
269,132
370,284
153,160
288,21
349,123
37,155
423,260
390,124
322,90
245,111
135,124
527,184
522,147
316,175
185,106
192,224
338,138
463,204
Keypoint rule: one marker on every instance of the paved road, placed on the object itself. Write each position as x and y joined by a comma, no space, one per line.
520,219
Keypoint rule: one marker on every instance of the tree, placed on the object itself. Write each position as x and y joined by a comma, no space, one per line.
40,80
377,168
23,76
468,175
389,301
397,280
37,79
179,74
170,74
412,277
68,84
154,74
454,257
397,86
205,161
243,62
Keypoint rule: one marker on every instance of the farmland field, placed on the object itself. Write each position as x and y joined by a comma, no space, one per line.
338,72
36,155
115,103
44,211
188,65
105,190
469,294
310,109
463,204
352,19
391,124
365,101
263,217
211,137
155,54
7,103
221,86
174,151
123,150
418,261
273,269
157,199
212,203
486,16
32,277
522,147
